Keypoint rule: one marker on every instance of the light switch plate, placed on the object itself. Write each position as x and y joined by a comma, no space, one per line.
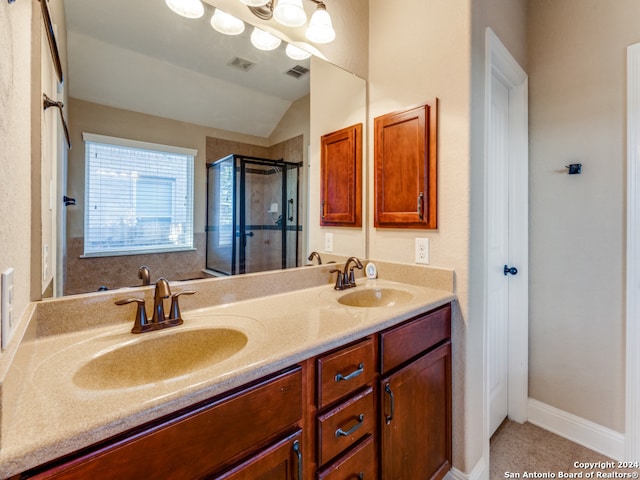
328,242
8,322
422,251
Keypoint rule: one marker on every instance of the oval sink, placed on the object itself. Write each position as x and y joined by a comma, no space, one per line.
375,297
155,358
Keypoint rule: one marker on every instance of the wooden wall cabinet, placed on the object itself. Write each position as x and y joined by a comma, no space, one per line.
405,176
341,178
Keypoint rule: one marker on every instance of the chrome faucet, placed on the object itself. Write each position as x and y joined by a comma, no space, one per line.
347,278
158,320
144,275
316,255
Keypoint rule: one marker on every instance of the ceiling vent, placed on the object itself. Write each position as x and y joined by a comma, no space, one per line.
241,64
297,71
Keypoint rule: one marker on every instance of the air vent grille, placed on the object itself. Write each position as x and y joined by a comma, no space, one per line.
297,71
241,64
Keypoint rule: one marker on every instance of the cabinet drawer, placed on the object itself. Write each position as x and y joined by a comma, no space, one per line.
344,425
198,442
402,343
342,372
359,463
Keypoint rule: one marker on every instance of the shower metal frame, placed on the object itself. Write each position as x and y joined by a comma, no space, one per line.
241,254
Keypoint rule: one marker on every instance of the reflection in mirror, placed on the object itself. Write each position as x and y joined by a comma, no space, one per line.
138,71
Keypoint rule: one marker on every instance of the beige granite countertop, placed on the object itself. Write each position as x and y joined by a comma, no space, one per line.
54,416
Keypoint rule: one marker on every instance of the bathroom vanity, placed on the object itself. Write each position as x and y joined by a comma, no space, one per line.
320,389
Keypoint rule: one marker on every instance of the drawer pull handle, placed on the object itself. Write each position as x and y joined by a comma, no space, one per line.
353,374
342,433
360,475
387,389
296,449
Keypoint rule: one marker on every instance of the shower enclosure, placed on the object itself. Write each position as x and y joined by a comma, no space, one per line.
252,215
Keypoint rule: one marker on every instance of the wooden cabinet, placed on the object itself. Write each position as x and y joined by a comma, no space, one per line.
376,408
282,461
199,442
405,173
341,177
346,421
415,413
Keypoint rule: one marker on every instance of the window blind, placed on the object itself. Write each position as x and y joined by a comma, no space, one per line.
138,197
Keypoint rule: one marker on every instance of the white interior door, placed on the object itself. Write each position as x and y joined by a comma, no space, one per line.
506,238
498,254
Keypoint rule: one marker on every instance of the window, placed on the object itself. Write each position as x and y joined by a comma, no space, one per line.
138,197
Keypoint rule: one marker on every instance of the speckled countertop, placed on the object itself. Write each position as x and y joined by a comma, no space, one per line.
58,411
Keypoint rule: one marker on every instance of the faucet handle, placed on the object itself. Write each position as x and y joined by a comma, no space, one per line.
339,279
141,322
174,312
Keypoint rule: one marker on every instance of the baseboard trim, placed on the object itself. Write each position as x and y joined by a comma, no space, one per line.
583,432
479,472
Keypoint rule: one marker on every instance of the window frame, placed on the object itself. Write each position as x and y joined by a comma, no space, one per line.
141,145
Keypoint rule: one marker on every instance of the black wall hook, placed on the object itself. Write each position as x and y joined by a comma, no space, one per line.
574,168
68,201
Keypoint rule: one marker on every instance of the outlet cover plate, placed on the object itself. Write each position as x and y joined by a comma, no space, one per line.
422,251
328,242
8,322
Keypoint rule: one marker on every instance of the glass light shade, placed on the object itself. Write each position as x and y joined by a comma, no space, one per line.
227,24
296,53
186,8
320,28
255,3
263,40
290,13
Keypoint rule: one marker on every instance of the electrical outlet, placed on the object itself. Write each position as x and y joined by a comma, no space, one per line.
422,250
328,242
8,323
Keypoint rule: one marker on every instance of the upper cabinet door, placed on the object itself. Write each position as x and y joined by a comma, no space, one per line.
341,177
405,168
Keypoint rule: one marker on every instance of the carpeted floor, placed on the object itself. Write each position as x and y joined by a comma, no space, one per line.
527,451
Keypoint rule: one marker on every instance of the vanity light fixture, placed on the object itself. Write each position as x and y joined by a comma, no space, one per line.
320,28
255,3
187,8
226,23
290,13
264,40
296,53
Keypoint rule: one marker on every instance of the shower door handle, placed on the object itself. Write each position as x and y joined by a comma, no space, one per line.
250,234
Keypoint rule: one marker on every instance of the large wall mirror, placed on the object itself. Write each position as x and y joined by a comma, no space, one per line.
138,71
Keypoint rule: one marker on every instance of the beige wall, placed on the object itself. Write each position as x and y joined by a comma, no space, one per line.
339,100
15,145
577,85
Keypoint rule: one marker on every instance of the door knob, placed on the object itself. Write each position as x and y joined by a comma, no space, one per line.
512,270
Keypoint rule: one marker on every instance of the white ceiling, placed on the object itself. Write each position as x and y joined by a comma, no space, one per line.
141,56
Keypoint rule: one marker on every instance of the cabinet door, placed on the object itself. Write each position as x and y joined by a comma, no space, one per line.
341,177
416,418
405,168
281,461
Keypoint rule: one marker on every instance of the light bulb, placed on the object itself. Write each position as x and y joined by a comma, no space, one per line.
186,8
296,53
255,3
320,28
263,40
227,24
290,13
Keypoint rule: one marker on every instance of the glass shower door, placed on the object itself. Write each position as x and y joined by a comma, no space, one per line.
261,221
